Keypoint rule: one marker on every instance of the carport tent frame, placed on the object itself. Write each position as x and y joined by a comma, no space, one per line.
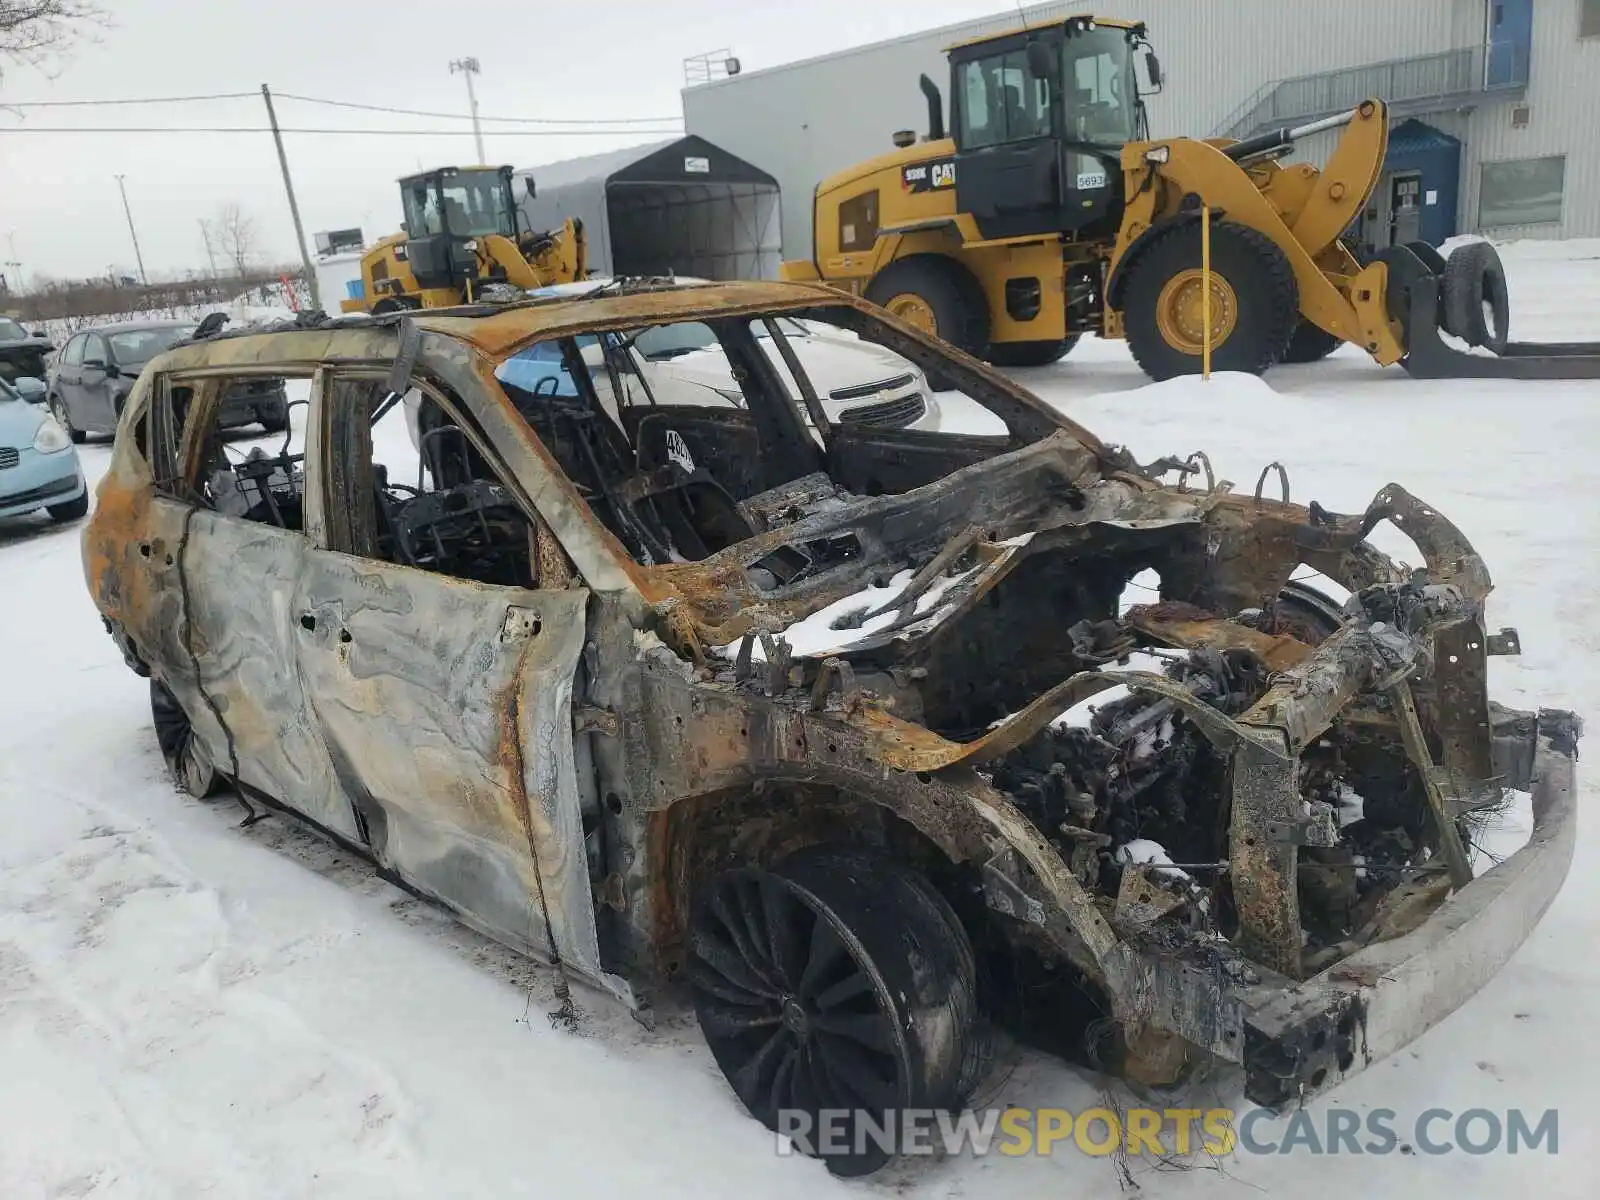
682,206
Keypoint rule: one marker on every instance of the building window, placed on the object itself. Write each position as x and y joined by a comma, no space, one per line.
1588,18
1524,192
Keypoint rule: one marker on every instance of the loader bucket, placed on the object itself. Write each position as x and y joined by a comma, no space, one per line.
1414,298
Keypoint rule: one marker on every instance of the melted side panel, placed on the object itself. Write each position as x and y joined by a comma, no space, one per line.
447,706
242,581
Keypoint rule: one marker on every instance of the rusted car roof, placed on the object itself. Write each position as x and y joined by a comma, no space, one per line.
503,331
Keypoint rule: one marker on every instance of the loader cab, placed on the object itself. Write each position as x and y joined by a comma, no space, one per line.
1039,118
446,210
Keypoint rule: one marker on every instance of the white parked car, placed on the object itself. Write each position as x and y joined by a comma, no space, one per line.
684,364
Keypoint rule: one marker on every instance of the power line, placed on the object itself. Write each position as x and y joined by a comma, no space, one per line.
417,112
381,108
352,132
145,100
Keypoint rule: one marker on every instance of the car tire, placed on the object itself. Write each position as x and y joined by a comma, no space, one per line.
1477,303
937,295
1252,280
389,304
187,760
1030,354
70,510
837,979
58,410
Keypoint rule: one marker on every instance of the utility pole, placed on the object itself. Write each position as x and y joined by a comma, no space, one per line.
469,68
128,212
211,256
13,267
294,208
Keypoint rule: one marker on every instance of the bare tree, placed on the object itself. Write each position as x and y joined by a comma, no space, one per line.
33,31
235,233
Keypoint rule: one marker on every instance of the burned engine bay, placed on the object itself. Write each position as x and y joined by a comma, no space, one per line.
1123,661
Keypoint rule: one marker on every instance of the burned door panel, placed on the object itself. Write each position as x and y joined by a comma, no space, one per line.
244,643
448,707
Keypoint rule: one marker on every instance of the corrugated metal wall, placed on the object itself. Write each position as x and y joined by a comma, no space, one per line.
805,121
1563,118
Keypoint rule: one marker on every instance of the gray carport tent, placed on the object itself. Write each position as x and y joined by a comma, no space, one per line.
682,207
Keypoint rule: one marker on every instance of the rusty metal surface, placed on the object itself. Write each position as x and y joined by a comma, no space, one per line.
564,764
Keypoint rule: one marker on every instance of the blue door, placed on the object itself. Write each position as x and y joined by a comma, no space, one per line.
1510,38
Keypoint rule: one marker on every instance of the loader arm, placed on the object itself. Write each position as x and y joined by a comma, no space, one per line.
1351,308
1346,183
559,259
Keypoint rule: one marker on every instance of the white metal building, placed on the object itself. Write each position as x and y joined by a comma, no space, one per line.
1496,103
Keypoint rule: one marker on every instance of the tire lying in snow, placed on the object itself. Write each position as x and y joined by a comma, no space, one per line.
1477,305
1254,302
838,979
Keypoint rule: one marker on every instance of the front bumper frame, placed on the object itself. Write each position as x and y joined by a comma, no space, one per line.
1305,1037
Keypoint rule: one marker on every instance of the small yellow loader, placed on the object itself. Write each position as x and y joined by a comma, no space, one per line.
462,233
1048,212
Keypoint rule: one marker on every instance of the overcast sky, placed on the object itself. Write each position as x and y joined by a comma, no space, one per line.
540,58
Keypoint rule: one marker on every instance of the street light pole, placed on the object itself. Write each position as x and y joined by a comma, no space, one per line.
128,212
469,68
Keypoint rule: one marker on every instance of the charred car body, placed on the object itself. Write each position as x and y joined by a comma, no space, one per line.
787,711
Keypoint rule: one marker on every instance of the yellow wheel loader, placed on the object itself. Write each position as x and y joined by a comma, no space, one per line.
463,232
1048,212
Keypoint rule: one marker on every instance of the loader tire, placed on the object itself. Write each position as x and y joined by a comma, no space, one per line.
937,295
1477,305
1309,343
1255,302
1030,354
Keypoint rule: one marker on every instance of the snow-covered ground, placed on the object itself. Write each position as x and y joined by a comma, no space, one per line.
190,1008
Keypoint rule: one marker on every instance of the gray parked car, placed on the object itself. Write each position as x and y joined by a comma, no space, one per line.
96,369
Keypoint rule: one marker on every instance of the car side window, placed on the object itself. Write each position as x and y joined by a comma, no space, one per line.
234,444
94,349
410,483
72,352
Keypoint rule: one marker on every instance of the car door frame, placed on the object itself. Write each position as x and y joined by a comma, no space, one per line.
66,382
229,662
448,704
95,394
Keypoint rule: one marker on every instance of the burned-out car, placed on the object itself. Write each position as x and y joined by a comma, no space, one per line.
791,717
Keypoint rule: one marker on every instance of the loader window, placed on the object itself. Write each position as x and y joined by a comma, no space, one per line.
422,209
1001,102
476,204
1101,98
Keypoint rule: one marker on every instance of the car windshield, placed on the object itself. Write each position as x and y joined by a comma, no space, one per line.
7,392
10,329
141,345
